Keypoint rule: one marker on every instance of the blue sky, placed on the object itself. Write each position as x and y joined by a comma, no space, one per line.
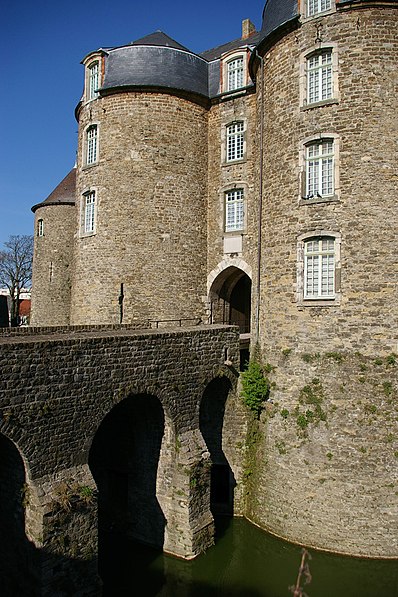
42,43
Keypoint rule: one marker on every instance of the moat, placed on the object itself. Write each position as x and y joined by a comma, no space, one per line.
244,562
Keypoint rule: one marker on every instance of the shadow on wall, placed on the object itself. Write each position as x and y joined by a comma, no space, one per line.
211,420
22,564
124,459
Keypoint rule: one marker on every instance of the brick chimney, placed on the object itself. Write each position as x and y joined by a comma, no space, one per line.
247,28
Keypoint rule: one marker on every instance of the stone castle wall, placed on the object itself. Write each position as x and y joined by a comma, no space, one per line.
52,265
151,184
52,415
363,120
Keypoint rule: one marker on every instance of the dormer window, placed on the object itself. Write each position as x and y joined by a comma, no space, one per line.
93,80
235,74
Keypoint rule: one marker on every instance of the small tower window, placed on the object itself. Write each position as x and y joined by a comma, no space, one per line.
89,212
319,266
92,144
40,227
319,76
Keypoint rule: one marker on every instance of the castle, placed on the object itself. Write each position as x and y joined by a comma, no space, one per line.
255,185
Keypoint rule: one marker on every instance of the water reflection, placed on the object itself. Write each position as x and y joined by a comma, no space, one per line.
245,562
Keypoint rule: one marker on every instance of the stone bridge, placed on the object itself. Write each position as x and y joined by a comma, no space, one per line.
106,431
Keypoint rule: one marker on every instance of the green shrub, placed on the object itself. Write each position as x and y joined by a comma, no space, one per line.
255,387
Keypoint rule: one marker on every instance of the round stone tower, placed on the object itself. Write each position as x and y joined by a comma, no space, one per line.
329,112
141,185
55,221
326,75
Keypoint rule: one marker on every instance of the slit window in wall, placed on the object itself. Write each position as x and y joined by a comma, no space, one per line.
235,141
319,76
319,268
89,212
40,227
92,145
235,74
317,6
319,169
93,80
234,210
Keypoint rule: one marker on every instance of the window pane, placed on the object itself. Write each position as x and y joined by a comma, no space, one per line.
319,76
93,80
234,210
89,212
235,141
319,268
235,74
320,169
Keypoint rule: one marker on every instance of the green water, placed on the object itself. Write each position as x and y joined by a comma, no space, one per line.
244,562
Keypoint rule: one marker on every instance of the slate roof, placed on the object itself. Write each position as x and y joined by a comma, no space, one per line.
63,194
215,53
158,38
277,13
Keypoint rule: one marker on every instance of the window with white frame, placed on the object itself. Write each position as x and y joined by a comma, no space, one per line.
235,141
40,227
92,145
317,6
235,73
89,206
319,76
234,210
319,169
319,268
93,80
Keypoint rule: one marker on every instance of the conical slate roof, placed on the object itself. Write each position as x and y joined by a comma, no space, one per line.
63,194
158,38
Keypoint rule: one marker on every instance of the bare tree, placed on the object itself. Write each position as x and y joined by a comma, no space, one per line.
16,269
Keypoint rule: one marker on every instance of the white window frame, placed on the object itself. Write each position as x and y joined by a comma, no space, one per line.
319,265
93,79
235,141
319,66
234,202
323,75
318,167
315,8
319,268
236,73
91,145
40,227
89,205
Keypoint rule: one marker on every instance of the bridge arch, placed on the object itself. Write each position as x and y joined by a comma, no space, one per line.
211,423
17,551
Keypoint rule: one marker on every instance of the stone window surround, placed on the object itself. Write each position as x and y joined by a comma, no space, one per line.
87,191
224,141
232,186
85,149
318,302
304,56
228,58
302,169
303,11
40,227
